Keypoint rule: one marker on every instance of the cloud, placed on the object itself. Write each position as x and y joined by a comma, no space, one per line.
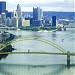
50,4
49,9
69,1
32,1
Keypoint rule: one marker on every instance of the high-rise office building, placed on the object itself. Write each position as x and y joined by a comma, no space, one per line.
14,14
41,14
37,13
9,15
19,10
14,22
19,21
8,22
53,20
3,18
0,19
37,17
2,6
14,19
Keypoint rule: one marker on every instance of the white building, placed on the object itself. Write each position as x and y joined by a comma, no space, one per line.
14,19
3,18
14,14
19,10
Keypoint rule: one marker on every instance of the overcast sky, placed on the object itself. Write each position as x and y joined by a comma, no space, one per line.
45,5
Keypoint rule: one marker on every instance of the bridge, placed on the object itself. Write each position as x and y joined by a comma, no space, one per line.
62,50
34,38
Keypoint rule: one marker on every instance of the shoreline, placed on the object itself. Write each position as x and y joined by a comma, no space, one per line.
38,30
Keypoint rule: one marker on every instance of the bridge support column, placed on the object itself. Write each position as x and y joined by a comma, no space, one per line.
68,59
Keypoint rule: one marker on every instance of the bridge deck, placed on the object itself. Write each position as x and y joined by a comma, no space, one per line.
72,54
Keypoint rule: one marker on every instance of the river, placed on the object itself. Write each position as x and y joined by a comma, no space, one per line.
31,64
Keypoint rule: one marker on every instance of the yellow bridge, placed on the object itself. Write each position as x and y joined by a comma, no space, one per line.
63,51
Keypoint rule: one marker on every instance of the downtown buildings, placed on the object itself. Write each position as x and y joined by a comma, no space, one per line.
12,19
15,18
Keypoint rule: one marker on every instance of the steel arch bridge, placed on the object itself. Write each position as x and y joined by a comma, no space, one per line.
62,50
37,39
44,41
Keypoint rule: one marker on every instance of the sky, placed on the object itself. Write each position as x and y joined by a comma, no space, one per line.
45,5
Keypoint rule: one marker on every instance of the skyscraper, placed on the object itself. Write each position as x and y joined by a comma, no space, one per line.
20,22
8,21
37,13
53,20
37,17
9,14
2,6
0,19
3,18
14,22
14,14
14,19
19,10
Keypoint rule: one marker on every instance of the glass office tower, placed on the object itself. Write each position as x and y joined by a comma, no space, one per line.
2,6
53,20
37,13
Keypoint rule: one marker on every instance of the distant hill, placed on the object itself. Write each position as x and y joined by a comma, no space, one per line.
49,14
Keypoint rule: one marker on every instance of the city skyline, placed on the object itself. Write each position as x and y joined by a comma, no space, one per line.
46,5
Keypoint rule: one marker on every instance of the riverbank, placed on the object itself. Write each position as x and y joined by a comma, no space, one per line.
6,49
28,28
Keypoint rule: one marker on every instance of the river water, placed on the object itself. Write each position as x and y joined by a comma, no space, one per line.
31,64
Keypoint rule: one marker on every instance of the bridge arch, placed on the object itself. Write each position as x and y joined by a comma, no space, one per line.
41,40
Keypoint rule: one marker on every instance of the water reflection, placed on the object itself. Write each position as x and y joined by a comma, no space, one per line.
10,69
54,35
3,56
7,49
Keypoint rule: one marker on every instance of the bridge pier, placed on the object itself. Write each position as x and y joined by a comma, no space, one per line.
68,59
